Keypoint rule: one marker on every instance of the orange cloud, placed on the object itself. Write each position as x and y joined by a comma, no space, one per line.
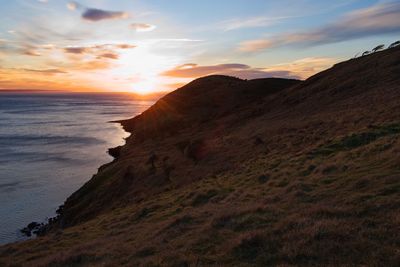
298,69
305,67
125,46
92,65
255,45
46,71
47,79
76,50
109,55
99,51
143,27
30,52
238,70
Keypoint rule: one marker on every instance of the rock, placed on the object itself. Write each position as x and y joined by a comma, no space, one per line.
33,228
115,152
60,210
33,225
26,231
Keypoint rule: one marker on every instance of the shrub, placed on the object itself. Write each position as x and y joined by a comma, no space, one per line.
262,179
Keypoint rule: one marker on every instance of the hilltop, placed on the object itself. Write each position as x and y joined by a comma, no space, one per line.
229,172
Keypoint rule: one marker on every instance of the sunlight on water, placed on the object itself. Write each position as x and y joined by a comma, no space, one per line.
50,145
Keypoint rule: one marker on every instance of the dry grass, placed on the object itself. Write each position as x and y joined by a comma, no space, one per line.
284,201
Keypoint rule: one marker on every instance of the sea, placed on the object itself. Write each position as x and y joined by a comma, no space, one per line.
50,145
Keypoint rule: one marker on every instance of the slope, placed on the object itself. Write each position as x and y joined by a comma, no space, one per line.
225,172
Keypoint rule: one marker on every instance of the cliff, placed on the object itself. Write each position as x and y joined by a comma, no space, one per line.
228,172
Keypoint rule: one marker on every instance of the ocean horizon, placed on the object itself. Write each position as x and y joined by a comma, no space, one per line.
52,143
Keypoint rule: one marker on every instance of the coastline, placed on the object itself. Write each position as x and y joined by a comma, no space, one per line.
36,229
276,174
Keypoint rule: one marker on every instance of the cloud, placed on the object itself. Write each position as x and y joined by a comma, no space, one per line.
298,69
92,65
238,70
46,71
376,20
101,50
177,40
125,46
76,50
43,1
41,78
112,46
109,55
255,22
48,46
37,33
93,14
30,52
76,65
143,27
73,6
305,67
51,71
255,45
193,70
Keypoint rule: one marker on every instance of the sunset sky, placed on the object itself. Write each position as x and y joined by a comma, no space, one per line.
145,46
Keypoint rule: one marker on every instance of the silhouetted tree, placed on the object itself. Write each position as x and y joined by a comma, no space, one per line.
379,47
394,44
366,53
356,56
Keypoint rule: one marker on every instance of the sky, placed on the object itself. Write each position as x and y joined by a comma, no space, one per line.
146,46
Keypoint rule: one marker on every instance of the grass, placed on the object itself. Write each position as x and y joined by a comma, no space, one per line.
240,204
203,198
256,248
328,216
356,140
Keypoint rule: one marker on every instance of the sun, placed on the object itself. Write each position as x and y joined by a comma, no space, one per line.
146,86
142,69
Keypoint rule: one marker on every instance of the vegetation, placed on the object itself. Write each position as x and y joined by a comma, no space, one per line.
393,45
360,139
378,48
297,174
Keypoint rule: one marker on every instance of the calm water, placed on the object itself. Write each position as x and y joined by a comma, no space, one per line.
50,144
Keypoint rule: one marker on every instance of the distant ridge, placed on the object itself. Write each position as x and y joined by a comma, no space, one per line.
201,100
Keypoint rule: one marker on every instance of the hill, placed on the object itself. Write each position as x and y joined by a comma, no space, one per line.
228,172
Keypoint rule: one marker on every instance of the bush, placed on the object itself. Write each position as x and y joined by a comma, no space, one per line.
262,179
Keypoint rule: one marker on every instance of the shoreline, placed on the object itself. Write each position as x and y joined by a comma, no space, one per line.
36,229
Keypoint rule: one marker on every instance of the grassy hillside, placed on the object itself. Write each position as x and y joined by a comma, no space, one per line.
227,172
